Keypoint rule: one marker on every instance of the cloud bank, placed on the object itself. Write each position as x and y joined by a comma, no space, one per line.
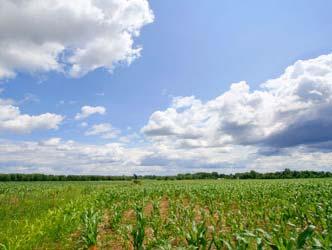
73,37
286,123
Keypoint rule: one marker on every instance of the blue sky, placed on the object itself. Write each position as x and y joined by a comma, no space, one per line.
188,49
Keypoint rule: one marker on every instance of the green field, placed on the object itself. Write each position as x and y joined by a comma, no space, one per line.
215,214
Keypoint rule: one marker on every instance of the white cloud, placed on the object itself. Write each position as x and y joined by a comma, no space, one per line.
51,142
56,156
87,111
291,110
68,157
73,37
84,124
284,124
11,120
295,158
104,130
7,102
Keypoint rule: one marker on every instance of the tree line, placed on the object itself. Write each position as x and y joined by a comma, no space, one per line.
286,174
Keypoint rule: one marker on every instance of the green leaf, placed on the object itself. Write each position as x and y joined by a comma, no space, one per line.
303,236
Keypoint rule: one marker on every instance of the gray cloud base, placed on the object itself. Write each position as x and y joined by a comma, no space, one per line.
292,110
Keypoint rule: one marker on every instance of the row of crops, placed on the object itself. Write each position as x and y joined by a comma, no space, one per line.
220,214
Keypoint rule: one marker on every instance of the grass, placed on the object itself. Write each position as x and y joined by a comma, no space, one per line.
211,214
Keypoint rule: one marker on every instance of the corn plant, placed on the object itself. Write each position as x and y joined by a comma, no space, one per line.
196,236
138,231
200,214
90,219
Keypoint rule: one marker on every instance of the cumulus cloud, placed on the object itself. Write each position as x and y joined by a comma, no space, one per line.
73,37
87,111
104,130
291,110
284,124
11,120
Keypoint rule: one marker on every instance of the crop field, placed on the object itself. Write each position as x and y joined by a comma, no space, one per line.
209,214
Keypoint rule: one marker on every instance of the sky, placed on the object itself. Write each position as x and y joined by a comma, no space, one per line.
165,87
